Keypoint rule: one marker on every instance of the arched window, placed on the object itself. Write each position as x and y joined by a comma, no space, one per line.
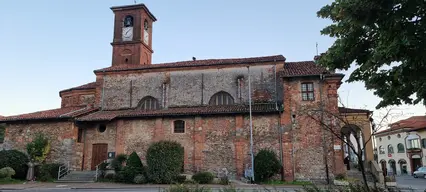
401,148
179,126
221,98
149,103
390,149
128,21
381,150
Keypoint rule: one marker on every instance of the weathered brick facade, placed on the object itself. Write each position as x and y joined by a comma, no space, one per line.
210,96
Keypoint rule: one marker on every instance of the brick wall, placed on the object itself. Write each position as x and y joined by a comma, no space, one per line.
61,135
191,87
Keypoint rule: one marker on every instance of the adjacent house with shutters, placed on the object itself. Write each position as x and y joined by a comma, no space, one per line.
401,148
202,104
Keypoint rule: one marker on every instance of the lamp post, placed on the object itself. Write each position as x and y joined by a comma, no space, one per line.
251,127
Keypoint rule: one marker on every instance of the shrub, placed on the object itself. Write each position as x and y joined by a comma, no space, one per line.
48,172
266,165
185,188
340,176
165,161
140,179
180,179
133,168
203,177
127,175
117,162
38,148
6,173
224,180
15,160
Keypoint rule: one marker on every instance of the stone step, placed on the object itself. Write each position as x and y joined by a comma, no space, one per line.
74,181
78,177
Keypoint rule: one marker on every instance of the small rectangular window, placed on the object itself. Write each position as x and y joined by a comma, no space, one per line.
179,126
2,133
80,135
308,92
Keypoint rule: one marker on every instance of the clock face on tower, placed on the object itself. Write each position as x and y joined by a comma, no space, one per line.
146,37
127,33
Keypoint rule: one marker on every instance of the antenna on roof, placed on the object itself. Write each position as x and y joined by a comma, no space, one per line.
316,46
316,57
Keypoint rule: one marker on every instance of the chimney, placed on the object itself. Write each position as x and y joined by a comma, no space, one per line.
193,58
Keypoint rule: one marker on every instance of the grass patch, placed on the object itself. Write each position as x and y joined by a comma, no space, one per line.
10,181
278,182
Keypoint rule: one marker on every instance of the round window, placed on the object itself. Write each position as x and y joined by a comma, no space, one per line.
380,139
388,137
102,128
399,135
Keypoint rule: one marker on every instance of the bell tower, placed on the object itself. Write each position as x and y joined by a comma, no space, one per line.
132,43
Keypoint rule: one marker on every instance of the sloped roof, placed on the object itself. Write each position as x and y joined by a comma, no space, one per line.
196,63
202,110
352,110
410,124
302,68
60,113
91,85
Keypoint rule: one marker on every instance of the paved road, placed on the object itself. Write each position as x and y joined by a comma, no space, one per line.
409,181
131,190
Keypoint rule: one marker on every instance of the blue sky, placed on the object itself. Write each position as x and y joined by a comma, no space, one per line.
47,46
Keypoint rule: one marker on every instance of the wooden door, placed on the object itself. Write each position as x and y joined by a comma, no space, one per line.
99,154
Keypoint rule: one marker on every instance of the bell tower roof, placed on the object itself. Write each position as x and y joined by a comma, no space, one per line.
132,7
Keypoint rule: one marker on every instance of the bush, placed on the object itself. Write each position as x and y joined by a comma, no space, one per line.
127,175
203,177
140,179
185,188
266,165
47,172
117,162
340,176
15,160
180,179
224,180
133,168
38,148
6,173
165,161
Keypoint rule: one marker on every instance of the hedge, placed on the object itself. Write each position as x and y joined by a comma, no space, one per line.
16,160
266,165
165,161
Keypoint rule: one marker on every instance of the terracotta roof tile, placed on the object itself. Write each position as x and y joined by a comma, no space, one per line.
351,110
91,85
302,68
410,124
203,110
196,63
61,113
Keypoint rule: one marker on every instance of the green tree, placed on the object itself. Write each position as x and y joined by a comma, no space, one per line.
165,161
38,148
386,40
266,165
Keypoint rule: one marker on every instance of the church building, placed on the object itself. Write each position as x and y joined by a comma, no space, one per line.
205,105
